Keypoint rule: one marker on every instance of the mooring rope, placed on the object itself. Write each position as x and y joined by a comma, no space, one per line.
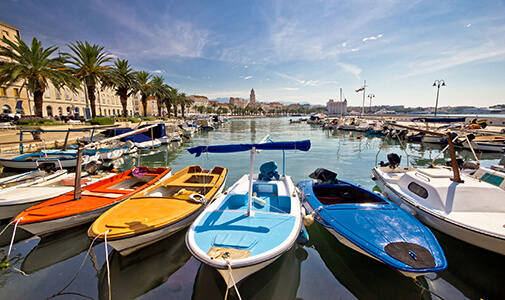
232,279
82,264
107,260
423,289
5,228
12,238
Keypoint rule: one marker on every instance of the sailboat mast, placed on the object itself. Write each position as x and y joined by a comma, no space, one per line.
363,107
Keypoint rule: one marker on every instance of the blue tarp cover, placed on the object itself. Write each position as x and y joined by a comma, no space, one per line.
298,145
136,138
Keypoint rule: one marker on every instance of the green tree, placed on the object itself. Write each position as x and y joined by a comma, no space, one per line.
90,65
184,102
123,79
33,65
159,91
143,87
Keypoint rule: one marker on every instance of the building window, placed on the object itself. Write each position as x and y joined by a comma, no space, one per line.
57,94
49,111
2,91
16,92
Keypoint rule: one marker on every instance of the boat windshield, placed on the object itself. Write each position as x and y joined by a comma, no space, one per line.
343,194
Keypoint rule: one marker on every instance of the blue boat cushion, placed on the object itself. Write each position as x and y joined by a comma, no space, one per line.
234,240
268,171
411,254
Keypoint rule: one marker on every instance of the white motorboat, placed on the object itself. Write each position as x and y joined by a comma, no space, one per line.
469,208
253,223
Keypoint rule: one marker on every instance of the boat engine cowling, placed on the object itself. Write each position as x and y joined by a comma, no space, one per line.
393,161
324,176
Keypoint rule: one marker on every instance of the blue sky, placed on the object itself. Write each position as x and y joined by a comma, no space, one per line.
292,51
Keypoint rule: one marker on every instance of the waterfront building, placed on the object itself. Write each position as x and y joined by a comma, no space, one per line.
239,102
336,108
199,100
63,102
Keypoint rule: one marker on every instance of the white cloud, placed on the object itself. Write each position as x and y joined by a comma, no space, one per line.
354,70
158,71
248,77
291,89
468,25
372,38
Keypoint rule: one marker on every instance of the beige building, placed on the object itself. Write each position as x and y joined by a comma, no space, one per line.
239,102
17,99
336,108
199,100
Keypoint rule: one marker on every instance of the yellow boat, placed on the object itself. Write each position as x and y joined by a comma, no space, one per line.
160,210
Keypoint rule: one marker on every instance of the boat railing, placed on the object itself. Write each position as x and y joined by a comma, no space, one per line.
46,159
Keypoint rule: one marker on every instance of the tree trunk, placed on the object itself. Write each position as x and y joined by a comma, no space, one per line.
124,100
144,105
182,110
175,111
169,107
158,101
38,100
91,97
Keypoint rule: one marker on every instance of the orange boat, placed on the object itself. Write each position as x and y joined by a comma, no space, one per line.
160,210
64,211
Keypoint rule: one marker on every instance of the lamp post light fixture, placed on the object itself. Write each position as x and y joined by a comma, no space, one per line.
438,84
371,96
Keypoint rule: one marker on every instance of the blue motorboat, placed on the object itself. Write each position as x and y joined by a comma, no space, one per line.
140,140
371,224
253,223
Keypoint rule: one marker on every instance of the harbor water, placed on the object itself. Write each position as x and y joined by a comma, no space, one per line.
68,266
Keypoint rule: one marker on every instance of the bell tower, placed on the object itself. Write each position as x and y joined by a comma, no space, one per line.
252,97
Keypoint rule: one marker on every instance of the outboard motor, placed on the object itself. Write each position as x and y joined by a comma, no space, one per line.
393,161
324,175
47,167
92,167
268,171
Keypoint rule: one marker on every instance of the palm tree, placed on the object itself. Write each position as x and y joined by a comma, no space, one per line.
184,102
33,65
144,88
158,90
171,99
89,66
123,79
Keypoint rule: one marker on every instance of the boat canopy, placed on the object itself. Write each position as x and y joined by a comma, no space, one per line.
297,145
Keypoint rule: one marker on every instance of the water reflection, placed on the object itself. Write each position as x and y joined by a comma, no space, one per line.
136,274
279,280
473,271
56,248
363,276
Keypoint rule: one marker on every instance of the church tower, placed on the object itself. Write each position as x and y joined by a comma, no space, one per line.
252,97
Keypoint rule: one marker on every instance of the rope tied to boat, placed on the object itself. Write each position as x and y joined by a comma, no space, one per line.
226,257
5,263
82,264
423,289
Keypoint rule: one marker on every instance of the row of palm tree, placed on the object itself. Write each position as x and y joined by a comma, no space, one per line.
86,64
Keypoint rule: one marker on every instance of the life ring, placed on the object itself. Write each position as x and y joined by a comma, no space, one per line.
198,198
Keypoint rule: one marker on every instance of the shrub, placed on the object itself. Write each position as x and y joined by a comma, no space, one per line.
148,118
35,121
101,121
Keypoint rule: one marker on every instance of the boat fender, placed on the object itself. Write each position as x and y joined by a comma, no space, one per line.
408,209
198,198
309,219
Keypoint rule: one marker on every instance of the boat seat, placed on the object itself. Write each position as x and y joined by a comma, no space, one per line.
195,185
107,194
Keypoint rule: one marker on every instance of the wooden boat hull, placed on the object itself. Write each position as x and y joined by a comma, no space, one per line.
64,211
160,210
444,221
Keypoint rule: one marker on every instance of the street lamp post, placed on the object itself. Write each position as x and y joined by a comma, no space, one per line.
371,96
438,84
